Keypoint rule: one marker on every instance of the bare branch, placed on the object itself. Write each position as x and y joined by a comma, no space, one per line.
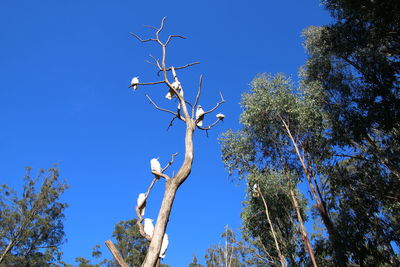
157,62
162,109
138,210
181,67
151,27
152,83
198,94
170,123
210,126
143,40
217,105
117,256
170,163
159,30
172,36
159,174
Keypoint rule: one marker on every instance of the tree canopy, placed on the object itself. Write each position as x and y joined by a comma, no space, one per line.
31,224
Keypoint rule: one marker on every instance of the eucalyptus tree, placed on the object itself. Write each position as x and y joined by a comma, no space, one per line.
355,59
185,111
31,224
283,132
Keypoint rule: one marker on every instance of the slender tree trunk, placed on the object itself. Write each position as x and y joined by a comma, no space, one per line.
8,248
303,231
339,254
171,187
280,255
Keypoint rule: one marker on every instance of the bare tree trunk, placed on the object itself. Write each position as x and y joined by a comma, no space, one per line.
303,231
171,187
8,248
340,257
116,254
280,255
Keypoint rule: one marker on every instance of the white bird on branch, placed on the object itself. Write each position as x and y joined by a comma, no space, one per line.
148,227
220,116
164,246
177,86
255,191
155,165
134,83
141,203
199,116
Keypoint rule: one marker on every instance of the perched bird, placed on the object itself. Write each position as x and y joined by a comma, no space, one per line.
148,227
134,82
177,86
155,165
255,191
164,246
199,116
141,203
220,116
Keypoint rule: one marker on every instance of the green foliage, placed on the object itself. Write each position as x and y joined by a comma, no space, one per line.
230,253
194,262
31,225
263,153
129,242
256,230
356,62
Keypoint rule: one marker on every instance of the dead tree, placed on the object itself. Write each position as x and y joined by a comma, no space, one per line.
187,114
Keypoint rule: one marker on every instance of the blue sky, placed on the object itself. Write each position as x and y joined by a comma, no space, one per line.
64,71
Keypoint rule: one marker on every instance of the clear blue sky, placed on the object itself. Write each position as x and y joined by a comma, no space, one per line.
64,71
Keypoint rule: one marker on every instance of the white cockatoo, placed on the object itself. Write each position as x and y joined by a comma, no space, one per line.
220,116
255,190
155,165
164,246
177,86
134,82
148,227
141,203
199,116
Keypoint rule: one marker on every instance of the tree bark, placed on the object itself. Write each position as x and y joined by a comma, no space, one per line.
280,255
303,231
8,248
171,187
116,254
339,254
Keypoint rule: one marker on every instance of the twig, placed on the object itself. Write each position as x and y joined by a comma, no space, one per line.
138,210
198,94
172,36
162,109
151,27
152,83
181,67
170,163
217,105
116,254
143,40
210,126
170,123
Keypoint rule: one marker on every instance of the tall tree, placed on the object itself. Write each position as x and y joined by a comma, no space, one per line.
192,115
356,62
283,132
228,254
131,245
31,224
